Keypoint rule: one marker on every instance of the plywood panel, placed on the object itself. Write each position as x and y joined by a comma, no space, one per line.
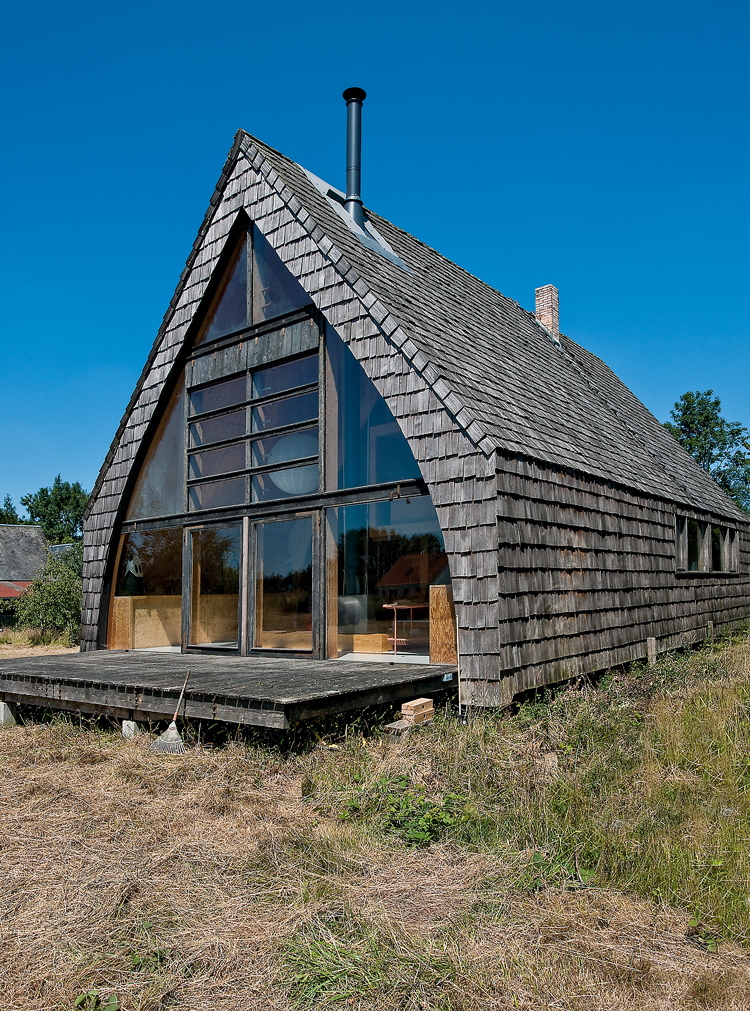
142,622
215,618
442,626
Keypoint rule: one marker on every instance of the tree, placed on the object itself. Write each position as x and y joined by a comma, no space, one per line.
8,512
58,510
54,600
721,447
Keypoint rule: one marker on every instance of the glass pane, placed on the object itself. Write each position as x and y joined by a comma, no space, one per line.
230,313
279,378
283,585
217,494
214,398
217,461
695,543
364,443
285,448
384,561
159,489
289,411
221,429
276,484
716,549
215,586
146,606
275,290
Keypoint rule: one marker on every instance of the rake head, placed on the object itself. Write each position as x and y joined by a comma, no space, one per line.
170,742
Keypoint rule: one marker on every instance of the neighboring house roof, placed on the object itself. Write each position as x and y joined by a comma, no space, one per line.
9,590
489,361
23,550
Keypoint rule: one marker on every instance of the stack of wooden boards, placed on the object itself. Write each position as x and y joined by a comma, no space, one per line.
412,714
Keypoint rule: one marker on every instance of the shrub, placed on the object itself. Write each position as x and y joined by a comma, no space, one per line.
54,600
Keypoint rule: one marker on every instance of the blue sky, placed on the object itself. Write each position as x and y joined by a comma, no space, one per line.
602,148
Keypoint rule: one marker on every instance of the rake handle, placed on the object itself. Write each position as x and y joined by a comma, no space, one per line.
179,700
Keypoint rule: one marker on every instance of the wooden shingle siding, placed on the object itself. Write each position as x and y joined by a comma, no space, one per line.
586,573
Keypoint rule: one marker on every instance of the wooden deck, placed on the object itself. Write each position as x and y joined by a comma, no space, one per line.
261,691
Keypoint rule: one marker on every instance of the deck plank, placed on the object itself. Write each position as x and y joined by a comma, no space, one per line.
270,691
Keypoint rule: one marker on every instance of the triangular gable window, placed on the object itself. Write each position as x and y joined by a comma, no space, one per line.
257,287
230,311
275,290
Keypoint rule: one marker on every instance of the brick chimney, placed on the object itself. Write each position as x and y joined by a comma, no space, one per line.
548,309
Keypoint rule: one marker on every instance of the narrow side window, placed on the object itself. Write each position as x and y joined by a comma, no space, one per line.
718,549
680,542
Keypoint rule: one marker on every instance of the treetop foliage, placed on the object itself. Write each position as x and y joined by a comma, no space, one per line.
720,447
9,513
58,510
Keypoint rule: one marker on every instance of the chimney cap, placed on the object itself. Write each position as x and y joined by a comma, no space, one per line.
355,94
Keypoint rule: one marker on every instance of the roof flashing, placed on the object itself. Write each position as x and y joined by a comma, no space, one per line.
369,235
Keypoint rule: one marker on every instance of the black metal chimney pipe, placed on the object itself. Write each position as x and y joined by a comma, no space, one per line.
354,98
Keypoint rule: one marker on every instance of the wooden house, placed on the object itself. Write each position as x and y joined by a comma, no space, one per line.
342,443
23,551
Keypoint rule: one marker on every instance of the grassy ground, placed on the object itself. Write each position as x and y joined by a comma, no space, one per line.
589,851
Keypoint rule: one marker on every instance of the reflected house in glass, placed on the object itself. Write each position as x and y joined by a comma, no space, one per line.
344,446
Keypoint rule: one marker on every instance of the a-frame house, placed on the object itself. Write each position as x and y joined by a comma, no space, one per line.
344,445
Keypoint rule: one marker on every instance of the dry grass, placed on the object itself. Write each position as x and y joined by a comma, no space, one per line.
17,642
245,878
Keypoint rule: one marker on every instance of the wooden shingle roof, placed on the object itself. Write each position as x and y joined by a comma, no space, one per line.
488,360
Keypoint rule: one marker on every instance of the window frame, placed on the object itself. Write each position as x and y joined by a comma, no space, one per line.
729,560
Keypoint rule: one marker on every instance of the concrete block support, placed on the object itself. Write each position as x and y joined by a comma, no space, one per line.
8,716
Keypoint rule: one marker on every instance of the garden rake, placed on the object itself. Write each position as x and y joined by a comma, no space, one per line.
170,742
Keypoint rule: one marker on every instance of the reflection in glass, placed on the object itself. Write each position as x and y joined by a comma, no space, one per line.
221,429
275,290
215,586
217,494
364,443
383,558
159,487
283,585
285,448
146,605
217,461
219,396
279,378
717,553
230,313
277,484
289,411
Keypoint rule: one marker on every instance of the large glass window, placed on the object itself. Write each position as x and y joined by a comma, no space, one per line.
364,444
215,586
146,603
274,438
283,584
385,558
